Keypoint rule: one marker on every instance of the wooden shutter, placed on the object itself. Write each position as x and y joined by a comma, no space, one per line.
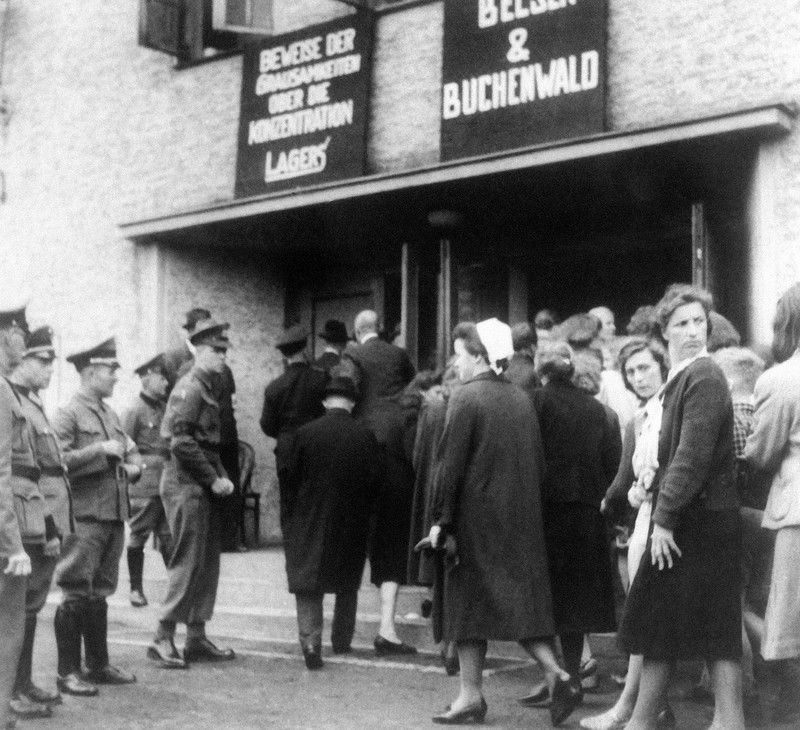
161,25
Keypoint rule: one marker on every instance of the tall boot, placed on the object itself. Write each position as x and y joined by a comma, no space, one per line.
24,683
787,709
21,705
68,641
136,570
95,640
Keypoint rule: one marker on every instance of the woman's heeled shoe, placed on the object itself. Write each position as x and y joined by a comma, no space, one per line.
567,695
475,712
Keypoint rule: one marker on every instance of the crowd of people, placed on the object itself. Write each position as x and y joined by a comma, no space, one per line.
545,458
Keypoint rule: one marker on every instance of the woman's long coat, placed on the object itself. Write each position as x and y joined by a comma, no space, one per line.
334,476
490,465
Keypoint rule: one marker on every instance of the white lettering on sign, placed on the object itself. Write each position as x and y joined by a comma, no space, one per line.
492,12
521,85
304,51
311,74
296,162
304,121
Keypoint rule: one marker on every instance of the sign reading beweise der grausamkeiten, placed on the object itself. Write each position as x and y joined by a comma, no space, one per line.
520,72
304,107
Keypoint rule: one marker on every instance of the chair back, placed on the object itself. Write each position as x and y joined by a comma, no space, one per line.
247,460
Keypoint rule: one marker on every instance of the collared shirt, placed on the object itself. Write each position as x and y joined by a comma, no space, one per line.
368,336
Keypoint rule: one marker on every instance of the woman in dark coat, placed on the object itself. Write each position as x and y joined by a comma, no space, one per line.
582,450
487,502
685,601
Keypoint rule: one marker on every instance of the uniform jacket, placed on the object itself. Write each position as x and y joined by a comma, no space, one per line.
291,401
33,517
695,447
99,487
333,478
487,496
11,420
582,448
774,444
142,422
53,482
192,425
381,371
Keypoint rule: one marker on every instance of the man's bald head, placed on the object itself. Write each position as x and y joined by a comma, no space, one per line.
366,322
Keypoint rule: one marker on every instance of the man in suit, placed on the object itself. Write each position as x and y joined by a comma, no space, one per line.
335,336
333,477
192,477
142,422
101,459
291,400
15,564
381,371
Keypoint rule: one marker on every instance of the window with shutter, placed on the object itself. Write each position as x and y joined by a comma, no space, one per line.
243,16
161,25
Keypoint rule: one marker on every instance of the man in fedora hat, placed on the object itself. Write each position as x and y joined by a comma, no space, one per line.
32,375
101,459
15,565
142,422
332,479
190,479
291,400
334,334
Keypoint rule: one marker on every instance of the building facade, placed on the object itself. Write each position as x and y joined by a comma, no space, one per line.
119,171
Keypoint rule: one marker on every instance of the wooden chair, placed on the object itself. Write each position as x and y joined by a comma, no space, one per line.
251,500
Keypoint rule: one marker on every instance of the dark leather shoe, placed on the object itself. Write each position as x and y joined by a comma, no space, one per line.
203,650
110,675
384,646
313,657
74,684
24,708
567,695
165,652
37,694
538,698
473,713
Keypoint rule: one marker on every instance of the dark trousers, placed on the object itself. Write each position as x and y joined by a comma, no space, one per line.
229,509
309,619
12,631
90,568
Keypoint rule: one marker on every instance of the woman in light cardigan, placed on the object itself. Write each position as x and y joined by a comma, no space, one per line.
774,446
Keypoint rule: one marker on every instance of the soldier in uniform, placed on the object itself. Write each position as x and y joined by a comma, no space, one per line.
15,564
100,459
291,401
142,422
334,333
50,503
192,478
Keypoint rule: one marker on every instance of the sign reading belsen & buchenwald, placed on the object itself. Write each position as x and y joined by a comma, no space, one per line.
304,107
520,72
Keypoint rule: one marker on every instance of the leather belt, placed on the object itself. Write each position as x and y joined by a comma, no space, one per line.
31,473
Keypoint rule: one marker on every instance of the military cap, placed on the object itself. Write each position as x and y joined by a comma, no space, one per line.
103,354
292,340
39,343
154,363
334,331
210,332
342,386
193,316
12,313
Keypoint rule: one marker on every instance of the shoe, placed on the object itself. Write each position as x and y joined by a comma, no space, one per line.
619,679
609,720
109,675
203,650
37,694
23,708
567,695
472,713
384,646
164,652
74,684
313,658
666,719
588,673
137,599
426,608
538,698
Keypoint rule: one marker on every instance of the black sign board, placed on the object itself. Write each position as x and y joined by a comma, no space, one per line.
520,72
304,107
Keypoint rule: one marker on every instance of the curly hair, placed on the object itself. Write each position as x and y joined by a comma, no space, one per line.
786,325
678,295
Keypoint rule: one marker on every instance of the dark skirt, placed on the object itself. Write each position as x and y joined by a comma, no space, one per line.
581,574
692,610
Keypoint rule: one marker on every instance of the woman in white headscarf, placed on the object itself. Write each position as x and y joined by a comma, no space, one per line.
488,511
